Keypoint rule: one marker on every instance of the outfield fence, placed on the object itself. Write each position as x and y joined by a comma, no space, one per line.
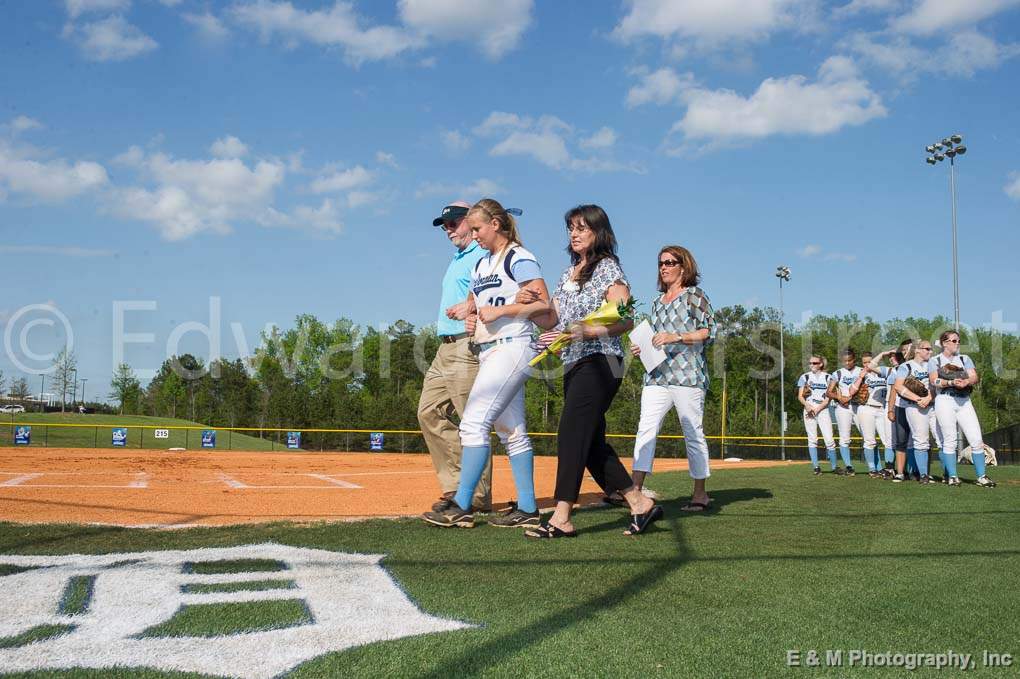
268,439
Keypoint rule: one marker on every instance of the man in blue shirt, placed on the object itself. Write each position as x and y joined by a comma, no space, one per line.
449,378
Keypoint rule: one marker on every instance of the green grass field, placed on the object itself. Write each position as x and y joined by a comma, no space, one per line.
98,432
786,561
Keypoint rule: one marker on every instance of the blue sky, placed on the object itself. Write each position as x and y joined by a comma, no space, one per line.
288,158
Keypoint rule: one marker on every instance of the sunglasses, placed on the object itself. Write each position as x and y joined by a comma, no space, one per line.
924,348
816,362
950,341
668,262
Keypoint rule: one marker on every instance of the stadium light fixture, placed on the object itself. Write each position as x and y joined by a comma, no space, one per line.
954,147
783,274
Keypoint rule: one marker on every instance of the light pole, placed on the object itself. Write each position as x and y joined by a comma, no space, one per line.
783,274
83,381
74,387
950,147
42,391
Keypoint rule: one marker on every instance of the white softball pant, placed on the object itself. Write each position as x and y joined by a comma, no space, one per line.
690,405
920,426
872,420
845,418
957,410
497,398
813,424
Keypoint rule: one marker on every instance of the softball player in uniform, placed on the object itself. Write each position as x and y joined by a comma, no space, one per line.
916,407
841,390
503,338
816,412
953,408
871,416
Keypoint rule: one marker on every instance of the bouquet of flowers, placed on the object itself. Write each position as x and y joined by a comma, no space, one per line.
607,314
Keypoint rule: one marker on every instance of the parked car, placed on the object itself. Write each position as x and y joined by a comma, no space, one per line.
12,409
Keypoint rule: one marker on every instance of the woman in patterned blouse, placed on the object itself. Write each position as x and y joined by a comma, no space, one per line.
684,324
593,371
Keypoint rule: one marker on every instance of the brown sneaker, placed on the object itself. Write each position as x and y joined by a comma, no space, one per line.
445,502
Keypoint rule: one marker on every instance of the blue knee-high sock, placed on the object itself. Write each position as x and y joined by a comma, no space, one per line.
978,458
890,456
831,452
878,459
869,459
911,462
949,463
813,452
472,464
921,458
523,467
844,452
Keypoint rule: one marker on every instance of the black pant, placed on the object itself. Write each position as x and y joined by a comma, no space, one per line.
588,390
901,430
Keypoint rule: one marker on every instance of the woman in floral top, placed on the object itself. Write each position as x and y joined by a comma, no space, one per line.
684,324
593,371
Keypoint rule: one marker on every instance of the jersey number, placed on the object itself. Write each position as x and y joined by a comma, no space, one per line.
498,301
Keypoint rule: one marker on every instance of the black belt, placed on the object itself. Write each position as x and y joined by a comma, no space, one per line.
450,339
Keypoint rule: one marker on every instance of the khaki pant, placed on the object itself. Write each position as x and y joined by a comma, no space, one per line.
443,394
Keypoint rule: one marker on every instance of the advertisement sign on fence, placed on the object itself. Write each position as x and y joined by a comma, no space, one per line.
119,437
208,438
293,440
161,433
23,436
375,441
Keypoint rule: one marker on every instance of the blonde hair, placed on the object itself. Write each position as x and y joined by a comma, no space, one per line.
493,210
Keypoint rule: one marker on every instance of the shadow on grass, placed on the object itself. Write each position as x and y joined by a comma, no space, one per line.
511,643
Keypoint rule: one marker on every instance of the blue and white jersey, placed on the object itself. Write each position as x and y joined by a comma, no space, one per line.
818,381
916,369
961,360
495,282
891,380
843,379
878,387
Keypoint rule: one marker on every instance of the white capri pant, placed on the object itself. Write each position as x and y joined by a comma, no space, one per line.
813,424
872,420
957,410
845,417
497,398
690,404
920,426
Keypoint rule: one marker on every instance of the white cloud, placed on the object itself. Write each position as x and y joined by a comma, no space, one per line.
1012,187
659,87
333,180
930,16
856,7
208,25
360,198
710,21
454,142
76,8
496,27
388,159
61,250
324,220
111,39
965,53
338,26
24,124
790,105
133,157
814,251
476,190
187,197
546,139
49,180
228,147
602,139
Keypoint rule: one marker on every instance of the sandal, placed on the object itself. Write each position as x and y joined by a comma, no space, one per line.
549,531
695,507
639,523
615,499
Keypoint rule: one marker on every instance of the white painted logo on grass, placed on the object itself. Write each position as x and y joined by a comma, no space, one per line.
351,600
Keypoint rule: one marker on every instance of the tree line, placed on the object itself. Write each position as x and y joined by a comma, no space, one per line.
340,375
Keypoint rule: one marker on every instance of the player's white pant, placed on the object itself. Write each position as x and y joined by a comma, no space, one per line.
845,418
920,426
813,424
872,420
497,398
933,426
957,410
690,404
